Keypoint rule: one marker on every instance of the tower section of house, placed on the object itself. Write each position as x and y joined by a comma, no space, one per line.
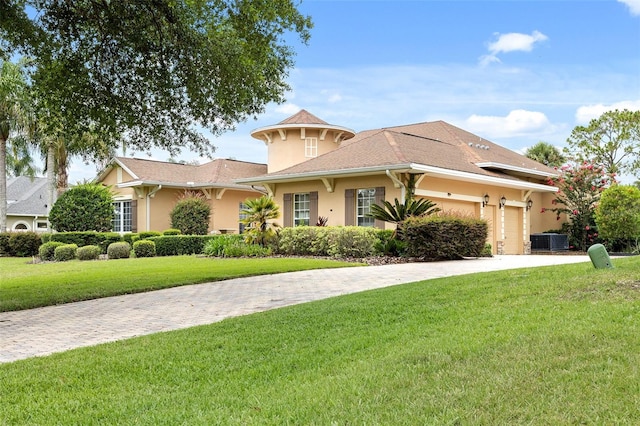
299,138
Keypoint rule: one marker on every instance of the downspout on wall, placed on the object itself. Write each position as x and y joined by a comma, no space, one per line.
398,183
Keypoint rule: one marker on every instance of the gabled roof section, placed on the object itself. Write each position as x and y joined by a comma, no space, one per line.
303,117
418,147
27,196
219,173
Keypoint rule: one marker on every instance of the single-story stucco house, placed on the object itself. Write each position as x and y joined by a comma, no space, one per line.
319,169
27,208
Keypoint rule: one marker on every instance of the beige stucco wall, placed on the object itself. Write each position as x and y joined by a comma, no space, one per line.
154,208
291,151
332,204
509,227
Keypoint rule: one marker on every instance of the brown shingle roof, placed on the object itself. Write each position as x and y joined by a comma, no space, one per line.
436,144
219,171
303,117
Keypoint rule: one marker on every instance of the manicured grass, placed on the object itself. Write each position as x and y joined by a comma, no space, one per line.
25,285
554,345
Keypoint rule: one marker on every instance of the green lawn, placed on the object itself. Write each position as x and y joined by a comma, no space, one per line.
554,345
24,285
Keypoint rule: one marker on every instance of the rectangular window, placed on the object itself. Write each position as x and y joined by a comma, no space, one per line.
241,217
366,197
301,209
122,216
311,147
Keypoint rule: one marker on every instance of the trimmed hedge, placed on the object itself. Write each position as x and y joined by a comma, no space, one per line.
445,237
24,244
176,245
171,232
65,252
47,250
335,241
144,248
4,244
88,253
120,250
88,238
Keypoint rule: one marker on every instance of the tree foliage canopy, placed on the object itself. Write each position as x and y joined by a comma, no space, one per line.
152,71
545,153
579,189
612,140
618,215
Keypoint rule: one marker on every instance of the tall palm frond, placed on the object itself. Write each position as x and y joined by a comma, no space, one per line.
259,214
399,212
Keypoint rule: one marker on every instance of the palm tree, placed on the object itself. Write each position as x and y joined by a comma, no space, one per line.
258,216
399,212
14,117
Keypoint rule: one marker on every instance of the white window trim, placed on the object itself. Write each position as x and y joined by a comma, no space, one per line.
310,147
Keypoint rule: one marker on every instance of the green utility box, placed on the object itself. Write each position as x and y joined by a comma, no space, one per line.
599,256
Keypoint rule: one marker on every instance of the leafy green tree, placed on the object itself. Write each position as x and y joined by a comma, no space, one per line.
191,214
579,189
618,216
399,212
259,215
14,120
151,72
612,140
84,207
545,153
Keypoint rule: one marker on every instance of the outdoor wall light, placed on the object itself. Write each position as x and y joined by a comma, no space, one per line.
529,204
503,201
485,200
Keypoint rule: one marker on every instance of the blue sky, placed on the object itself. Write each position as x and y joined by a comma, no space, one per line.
514,72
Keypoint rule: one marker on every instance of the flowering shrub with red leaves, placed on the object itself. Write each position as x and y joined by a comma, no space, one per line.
579,188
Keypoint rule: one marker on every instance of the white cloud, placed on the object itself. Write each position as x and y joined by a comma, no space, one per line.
634,6
288,108
511,42
517,122
586,113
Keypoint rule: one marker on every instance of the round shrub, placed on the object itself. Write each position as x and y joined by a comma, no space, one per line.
65,252
191,216
24,244
144,248
119,250
85,207
46,251
88,253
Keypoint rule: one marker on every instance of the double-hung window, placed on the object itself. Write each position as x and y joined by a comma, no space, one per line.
311,147
122,217
365,198
301,209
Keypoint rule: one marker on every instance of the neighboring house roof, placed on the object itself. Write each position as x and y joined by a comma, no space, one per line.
435,148
27,196
219,173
